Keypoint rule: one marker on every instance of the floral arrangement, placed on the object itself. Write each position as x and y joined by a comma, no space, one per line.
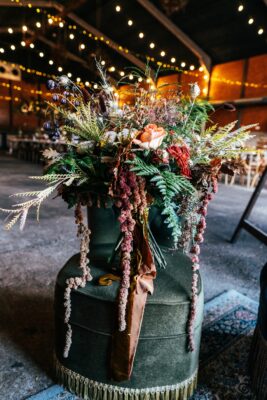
156,152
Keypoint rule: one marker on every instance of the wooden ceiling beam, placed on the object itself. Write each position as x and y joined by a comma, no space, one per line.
83,24
203,57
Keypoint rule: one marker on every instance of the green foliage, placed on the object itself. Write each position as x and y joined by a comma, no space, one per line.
168,185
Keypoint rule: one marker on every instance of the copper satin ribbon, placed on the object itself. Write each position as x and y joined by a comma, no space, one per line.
124,344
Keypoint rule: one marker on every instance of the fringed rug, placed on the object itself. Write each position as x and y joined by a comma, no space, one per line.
229,322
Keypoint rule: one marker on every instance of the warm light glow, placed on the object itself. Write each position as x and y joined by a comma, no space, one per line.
32,45
71,36
10,30
50,21
87,83
201,69
148,80
192,67
173,60
140,79
60,69
23,44
183,64
205,91
13,47
24,28
82,46
240,7
131,77
41,54
122,73
103,62
78,80
118,8
141,35
2,50
95,86
162,53
111,69
38,24
206,77
260,31
152,45
61,24
51,62
69,74
250,21
130,22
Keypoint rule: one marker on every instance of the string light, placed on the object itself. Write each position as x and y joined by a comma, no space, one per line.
183,64
41,54
260,31
23,44
162,53
50,62
69,74
38,24
82,46
250,21
112,69
240,8
60,69
78,80
103,62
24,28
201,69
61,24
71,36
87,83
192,67
140,79
13,47
152,45
32,45
50,21
122,73
141,35
173,60
118,8
10,30
95,86
130,22
2,50
131,77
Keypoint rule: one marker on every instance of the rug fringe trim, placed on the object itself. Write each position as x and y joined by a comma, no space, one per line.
258,364
88,389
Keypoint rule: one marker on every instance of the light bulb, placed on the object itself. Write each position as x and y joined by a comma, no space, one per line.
192,67
131,77
152,45
112,69
38,24
140,79
118,8
60,69
71,36
122,73
24,28
78,80
173,60
141,35
183,64
130,22
50,21
240,7
23,44
41,54
2,50
69,74
87,83
82,46
201,69
10,30
95,86
250,21
260,31
162,53
61,24
32,45
51,62
103,62
13,47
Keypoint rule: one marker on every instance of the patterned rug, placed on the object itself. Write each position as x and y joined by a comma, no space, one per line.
229,322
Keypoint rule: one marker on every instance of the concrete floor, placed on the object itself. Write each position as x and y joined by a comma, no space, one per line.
30,261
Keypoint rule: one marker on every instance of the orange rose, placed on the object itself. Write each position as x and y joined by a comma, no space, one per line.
151,137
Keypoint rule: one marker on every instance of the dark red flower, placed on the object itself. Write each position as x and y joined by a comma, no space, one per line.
182,156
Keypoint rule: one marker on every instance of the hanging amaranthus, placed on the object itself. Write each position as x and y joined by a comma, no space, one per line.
74,283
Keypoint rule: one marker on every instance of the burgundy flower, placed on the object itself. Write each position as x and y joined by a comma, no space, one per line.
181,155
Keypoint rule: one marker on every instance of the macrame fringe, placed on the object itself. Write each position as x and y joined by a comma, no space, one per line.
258,364
88,389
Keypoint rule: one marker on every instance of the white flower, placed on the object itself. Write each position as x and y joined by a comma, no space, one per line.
194,90
126,134
110,137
